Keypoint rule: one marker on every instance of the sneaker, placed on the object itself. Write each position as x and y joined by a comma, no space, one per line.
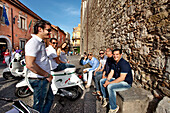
94,93
114,110
104,102
98,93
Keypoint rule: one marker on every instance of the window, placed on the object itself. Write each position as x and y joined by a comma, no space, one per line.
22,22
22,44
2,19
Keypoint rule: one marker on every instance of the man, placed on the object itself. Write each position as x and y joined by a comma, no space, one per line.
17,50
109,62
37,62
99,71
94,63
52,54
121,71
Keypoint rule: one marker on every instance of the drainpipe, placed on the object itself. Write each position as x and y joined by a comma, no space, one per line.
12,28
87,24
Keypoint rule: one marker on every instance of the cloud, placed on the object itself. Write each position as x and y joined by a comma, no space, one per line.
72,11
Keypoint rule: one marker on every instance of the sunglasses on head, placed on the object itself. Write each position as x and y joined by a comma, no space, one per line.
49,30
101,53
89,54
54,43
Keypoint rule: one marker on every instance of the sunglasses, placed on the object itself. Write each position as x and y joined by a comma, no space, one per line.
101,53
54,43
49,30
89,54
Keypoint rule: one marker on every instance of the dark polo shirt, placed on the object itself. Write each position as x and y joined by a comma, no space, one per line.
123,67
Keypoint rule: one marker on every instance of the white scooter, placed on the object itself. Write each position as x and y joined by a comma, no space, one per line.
65,83
15,69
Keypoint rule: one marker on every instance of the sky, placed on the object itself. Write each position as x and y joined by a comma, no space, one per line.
62,13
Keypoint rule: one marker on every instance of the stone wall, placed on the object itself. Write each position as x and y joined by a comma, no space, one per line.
140,27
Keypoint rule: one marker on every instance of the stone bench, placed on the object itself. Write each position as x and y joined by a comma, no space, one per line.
134,100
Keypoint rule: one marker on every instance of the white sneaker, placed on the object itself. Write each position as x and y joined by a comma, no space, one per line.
104,102
114,110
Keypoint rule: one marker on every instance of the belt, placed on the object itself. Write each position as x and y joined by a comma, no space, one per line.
36,78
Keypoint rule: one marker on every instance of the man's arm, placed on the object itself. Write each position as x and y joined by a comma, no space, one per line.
31,65
119,79
97,69
103,76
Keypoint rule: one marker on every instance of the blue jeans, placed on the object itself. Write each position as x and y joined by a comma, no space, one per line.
43,95
63,66
111,89
97,78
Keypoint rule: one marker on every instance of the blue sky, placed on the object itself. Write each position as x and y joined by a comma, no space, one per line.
62,13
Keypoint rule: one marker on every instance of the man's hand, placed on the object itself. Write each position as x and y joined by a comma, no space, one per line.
85,57
106,83
85,71
50,78
94,73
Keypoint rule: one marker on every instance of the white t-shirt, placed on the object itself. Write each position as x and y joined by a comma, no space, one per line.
51,53
35,47
103,61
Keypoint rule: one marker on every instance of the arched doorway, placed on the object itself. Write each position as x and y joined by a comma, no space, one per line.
4,43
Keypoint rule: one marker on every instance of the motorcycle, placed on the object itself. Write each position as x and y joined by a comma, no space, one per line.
15,69
19,107
65,83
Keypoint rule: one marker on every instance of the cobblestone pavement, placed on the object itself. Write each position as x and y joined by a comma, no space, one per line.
86,104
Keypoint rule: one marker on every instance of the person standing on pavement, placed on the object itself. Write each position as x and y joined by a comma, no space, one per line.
7,56
13,53
99,72
122,80
94,63
18,50
37,62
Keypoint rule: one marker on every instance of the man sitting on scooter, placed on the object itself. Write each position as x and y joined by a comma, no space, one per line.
52,54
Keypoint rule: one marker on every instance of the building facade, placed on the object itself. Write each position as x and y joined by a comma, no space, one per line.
140,28
16,25
20,26
60,35
76,39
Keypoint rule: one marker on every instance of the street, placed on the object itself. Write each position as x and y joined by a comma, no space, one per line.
85,104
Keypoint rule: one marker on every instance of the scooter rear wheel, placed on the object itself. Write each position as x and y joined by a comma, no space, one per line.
8,75
76,93
23,92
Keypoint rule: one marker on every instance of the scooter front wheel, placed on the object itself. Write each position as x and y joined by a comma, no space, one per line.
8,75
23,92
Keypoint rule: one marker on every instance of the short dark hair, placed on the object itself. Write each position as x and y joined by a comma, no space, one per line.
120,50
52,39
40,23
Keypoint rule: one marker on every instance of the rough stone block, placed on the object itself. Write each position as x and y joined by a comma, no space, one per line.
134,100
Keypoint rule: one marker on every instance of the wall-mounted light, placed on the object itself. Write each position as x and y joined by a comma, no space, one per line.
14,19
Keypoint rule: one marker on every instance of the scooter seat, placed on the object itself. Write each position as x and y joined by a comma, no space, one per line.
65,71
